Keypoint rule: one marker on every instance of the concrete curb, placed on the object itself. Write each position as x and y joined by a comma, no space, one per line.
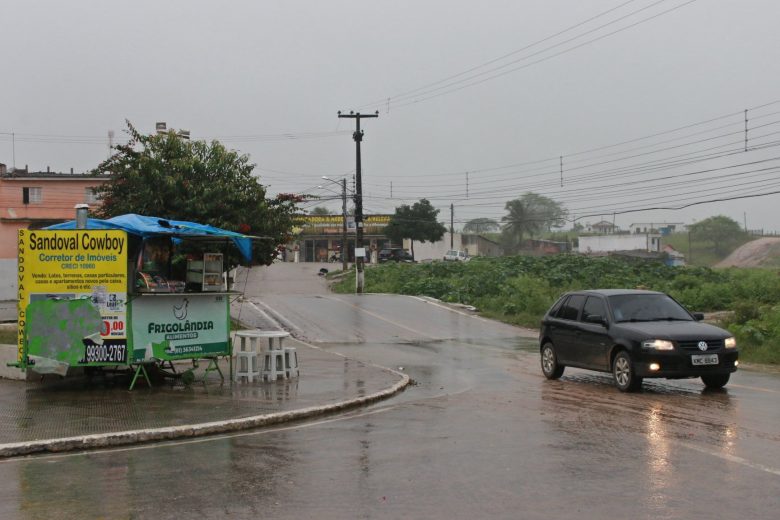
106,440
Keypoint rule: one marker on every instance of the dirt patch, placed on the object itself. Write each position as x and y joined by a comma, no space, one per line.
754,254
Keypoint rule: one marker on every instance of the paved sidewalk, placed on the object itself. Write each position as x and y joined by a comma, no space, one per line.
60,415
7,311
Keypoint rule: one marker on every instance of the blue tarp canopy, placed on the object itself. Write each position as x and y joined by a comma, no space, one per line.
147,227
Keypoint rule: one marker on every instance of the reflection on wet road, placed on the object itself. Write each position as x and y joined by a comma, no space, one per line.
481,434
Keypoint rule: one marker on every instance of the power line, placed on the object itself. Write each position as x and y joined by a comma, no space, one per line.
541,60
633,170
495,60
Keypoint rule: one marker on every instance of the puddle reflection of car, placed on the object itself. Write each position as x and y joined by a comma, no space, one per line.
395,254
635,335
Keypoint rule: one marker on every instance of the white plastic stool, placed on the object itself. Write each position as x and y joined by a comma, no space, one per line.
273,365
291,361
246,365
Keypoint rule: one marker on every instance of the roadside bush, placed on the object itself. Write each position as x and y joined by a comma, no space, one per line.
757,337
526,295
706,297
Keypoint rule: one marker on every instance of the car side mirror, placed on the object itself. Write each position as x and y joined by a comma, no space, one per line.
596,318
698,316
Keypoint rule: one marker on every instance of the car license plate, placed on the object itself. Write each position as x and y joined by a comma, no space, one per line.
706,359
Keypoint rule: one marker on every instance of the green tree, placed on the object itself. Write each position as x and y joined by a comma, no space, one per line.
415,222
170,177
319,210
481,225
528,216
721,230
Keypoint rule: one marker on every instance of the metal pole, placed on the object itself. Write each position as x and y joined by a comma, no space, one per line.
344,224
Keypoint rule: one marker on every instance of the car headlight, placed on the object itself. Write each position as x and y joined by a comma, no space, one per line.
658,344
730,342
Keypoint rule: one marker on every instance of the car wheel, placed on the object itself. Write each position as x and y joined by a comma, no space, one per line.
715,380
623,372
550,367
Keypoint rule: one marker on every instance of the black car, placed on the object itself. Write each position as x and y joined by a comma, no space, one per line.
634,334
395,254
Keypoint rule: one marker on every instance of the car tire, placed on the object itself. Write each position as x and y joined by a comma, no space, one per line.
715,381
623,373
550,366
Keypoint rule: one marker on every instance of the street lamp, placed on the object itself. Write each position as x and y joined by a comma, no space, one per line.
343,184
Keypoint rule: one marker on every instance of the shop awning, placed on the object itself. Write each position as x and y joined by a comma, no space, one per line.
147,227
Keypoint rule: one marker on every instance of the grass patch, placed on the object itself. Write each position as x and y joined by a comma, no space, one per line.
765,354
8,337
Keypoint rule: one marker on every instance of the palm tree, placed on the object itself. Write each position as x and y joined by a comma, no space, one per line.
529,215
518,222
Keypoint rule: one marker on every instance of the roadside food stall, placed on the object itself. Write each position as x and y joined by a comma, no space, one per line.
127,291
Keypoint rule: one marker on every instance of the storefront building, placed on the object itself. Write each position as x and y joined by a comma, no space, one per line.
320,239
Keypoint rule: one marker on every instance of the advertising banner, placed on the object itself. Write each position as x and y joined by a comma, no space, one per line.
72,298
179,326
333,224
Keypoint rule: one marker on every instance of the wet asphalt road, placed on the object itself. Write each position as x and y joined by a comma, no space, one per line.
480,435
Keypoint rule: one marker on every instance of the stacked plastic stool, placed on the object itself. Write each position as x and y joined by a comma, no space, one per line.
277,359
291,361
246,357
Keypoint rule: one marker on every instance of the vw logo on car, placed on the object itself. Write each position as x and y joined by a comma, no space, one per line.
702,346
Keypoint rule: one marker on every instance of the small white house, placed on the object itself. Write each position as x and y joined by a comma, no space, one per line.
602,227
664,228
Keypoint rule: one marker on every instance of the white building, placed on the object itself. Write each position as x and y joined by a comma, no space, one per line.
648,242
664,228
474,245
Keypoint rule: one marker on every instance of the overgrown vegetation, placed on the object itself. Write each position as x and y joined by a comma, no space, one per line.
519,289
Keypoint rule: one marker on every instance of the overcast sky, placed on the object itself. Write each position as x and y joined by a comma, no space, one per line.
484,97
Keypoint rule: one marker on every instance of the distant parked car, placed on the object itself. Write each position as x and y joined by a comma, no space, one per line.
454,255
395,254
634,334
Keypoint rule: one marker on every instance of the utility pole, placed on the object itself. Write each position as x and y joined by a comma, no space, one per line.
344,225
359,258
452,225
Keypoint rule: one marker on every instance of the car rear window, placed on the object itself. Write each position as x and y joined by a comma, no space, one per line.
571,309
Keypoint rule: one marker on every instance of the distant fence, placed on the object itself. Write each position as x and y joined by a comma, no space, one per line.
762,233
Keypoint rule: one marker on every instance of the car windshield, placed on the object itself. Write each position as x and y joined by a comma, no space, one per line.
647,307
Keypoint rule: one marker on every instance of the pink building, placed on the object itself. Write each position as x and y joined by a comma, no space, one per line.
32,200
